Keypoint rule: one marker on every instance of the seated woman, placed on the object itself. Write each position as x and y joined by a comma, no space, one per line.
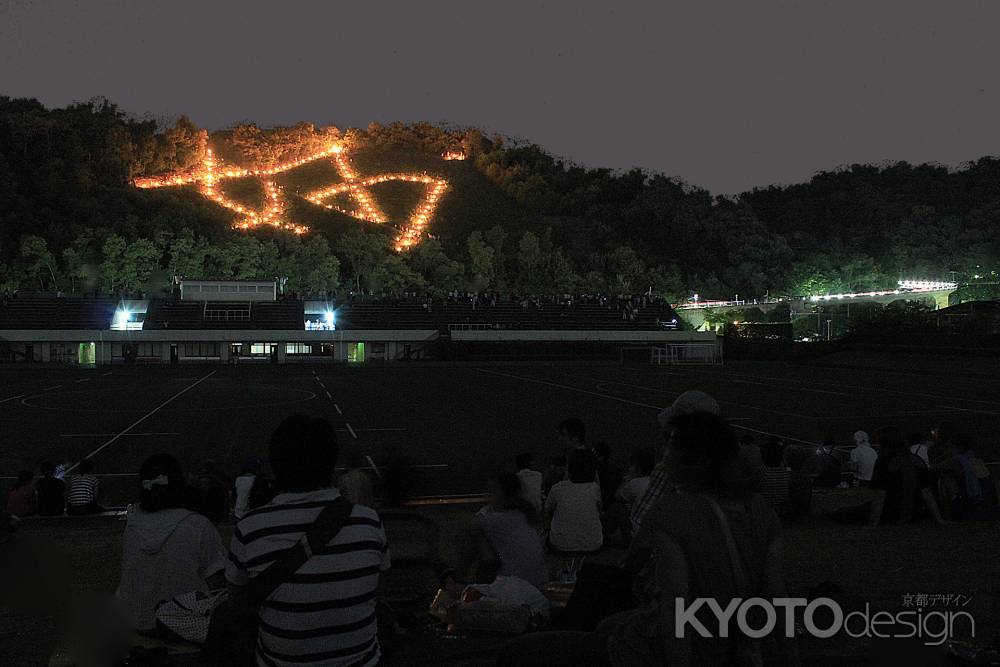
507,527
574,506
904,478
22,499
167,549
712,539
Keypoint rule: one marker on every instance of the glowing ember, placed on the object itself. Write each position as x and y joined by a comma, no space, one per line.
212,173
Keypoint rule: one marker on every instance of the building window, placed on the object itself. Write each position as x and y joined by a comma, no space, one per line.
201,349
301,348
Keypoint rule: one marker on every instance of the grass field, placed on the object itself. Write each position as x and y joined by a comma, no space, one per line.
453,425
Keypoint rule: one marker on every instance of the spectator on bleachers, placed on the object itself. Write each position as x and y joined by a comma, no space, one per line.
328,617
777,476
506,532
712,540
51,491
863,457
83,491
609,476
574,507
167,549
531,481
355,483
824,466
243,484
659,480
22,499
903,476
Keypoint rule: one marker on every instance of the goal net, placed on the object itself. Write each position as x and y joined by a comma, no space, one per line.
671,354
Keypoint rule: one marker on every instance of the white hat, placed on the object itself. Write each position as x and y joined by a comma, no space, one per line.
685,404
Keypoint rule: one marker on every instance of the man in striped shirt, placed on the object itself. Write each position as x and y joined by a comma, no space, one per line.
82,490
325,613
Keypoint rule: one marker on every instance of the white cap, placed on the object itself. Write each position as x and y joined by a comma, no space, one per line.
685,404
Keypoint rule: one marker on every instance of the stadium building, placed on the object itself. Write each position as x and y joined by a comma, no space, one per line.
231,321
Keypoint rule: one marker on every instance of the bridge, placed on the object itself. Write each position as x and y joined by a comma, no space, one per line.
695,312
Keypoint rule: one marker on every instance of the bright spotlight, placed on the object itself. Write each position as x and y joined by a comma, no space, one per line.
329,317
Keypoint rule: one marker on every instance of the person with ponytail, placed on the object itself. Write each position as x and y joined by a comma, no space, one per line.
167,549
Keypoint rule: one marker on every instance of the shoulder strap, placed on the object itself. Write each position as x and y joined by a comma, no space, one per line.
739,574
331,519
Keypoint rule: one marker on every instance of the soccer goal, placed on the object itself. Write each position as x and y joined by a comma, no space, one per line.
672,354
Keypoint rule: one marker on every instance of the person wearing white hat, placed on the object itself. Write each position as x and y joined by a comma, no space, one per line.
687,403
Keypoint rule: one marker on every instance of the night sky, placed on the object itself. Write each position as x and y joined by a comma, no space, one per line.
727,95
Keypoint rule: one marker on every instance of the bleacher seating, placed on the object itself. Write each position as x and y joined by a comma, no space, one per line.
172,314
445,316
48,312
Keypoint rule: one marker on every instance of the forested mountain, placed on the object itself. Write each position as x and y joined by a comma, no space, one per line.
512,217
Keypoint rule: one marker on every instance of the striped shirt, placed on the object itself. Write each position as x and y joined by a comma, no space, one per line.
82,490
775,486
325,614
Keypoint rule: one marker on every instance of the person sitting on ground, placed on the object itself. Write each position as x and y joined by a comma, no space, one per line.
920,445
863,458
904,478
167,549
777,476
83,490
51,491
609,475
327,615
22,499
749,462
505,538
355,483
555,473
572,434
505,591
712,540
574,506
243,484
628,494
531,481
825,466
966,487
659,481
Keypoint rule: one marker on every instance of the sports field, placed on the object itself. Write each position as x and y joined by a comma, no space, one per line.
450,426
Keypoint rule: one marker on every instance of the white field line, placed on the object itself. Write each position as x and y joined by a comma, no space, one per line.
12,398
351,430
52,387
328,395
144,418
337,407
105,435
625,400
341,468
83,380
374,467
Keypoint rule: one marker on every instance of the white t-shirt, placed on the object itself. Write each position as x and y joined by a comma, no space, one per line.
632,490
576,516
864,457
531,487
164,554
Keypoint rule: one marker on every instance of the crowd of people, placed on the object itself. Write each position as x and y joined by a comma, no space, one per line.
698,515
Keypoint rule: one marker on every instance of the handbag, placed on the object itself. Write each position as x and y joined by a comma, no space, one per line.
233,628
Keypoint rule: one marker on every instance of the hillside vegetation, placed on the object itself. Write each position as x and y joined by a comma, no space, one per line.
514,218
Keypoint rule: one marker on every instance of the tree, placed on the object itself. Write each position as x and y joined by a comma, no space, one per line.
481,261
140,261
529,263
186,256
39,262
112,262
314,270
